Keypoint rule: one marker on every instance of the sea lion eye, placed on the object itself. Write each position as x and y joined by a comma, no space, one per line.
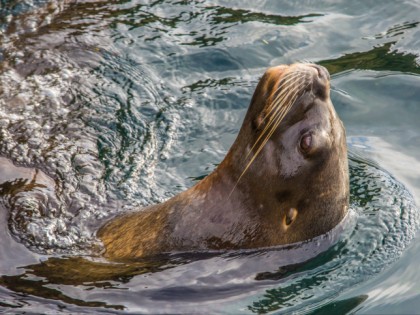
306,142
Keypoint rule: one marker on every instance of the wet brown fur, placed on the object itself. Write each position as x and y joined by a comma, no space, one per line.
264,192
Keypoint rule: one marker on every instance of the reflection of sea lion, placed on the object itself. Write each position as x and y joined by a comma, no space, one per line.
284,180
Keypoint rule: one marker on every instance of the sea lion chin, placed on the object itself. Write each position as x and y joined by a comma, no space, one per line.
284,180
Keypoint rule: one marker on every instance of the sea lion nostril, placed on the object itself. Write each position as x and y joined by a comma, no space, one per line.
322,72
320,81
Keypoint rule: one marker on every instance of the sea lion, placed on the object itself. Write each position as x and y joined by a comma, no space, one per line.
284,180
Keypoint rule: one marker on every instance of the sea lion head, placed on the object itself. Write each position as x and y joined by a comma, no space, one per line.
290,157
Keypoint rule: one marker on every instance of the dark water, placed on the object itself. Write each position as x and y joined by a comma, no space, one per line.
106,105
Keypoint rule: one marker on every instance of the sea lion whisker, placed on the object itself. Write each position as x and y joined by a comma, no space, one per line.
285,84
282,108
295,84
287,78
296,78
276,105
279,119
279,108
292,80
281,115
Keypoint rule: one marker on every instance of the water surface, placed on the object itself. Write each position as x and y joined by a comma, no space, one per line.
108,105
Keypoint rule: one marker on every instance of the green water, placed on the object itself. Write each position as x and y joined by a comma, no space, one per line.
119,104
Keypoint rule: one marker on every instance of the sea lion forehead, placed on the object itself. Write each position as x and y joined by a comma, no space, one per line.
279,71
273,76
276,72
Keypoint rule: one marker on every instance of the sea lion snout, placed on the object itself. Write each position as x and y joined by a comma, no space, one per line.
315,78
321,82
323,73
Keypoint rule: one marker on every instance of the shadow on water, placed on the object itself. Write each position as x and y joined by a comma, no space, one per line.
229,15
383,57
44,279
37,279
37,288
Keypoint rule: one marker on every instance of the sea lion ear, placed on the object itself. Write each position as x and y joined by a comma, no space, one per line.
259,122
